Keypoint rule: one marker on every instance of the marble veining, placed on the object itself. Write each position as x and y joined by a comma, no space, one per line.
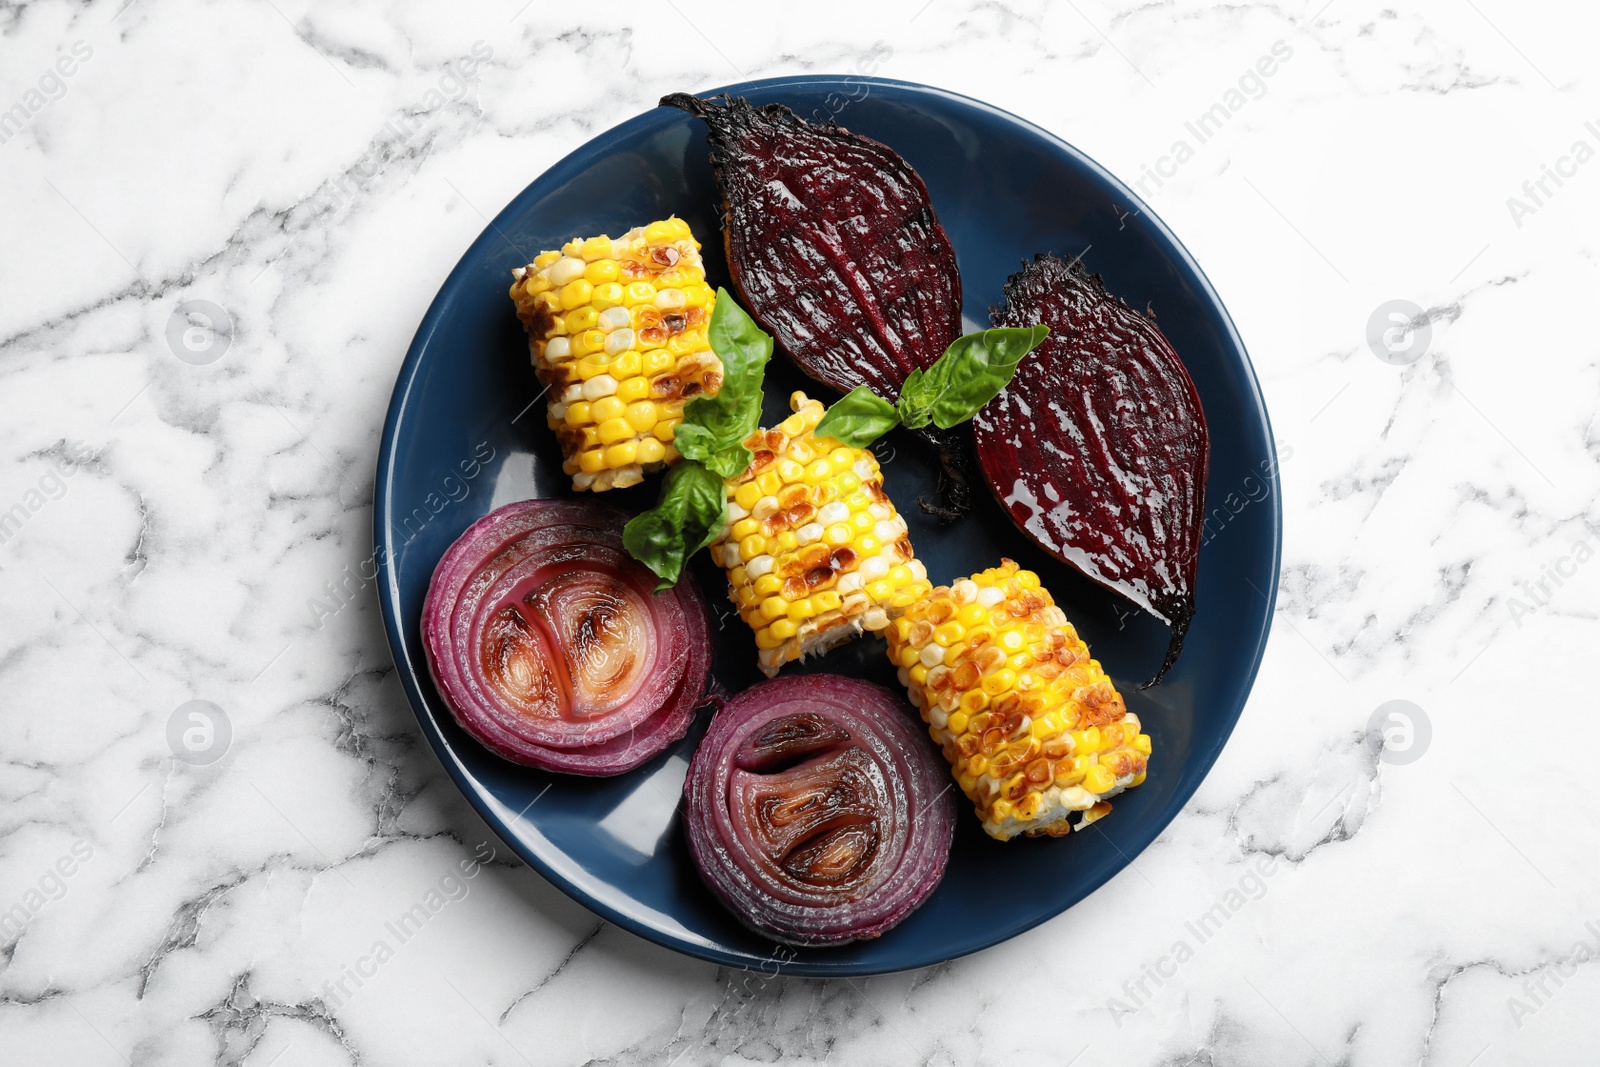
223,223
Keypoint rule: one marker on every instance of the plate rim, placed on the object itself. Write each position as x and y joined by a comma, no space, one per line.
387,584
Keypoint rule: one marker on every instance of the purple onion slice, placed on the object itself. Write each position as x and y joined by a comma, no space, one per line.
549,646
817,812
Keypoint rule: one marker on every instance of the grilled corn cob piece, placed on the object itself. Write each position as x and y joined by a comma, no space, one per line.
1032,726
618,334
815,551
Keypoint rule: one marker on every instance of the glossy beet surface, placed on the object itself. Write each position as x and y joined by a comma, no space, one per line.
833,245
461,440
1098,449
817,810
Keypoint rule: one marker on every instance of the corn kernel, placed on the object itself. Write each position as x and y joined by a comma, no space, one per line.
639,293
947,634
607,408
622,454
784,628
768,584
628,365
575,294
747,495
743,528
1001,681
592,461
827,600
1000,810
651,451
631,389
1099,779
751,547
614,430
802,609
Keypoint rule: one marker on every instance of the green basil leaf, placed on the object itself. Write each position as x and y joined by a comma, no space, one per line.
714,427
689,516
972,372
858,418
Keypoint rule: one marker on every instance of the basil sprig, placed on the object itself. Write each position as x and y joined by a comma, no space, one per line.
689,516
692,509
970,373
714,427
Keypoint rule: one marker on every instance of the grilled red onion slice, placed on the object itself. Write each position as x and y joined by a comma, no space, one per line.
548,645
817,812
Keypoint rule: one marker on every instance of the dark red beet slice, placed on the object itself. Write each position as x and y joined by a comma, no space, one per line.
833,245
1098,448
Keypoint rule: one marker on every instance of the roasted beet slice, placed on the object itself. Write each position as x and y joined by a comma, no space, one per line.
1098,448
833,245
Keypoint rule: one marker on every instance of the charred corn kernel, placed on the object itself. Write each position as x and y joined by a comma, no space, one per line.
1018,691
633,310
797,541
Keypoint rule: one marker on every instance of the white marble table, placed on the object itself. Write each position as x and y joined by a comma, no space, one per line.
172,502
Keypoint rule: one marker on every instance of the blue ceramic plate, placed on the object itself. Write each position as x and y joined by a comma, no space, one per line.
463,436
